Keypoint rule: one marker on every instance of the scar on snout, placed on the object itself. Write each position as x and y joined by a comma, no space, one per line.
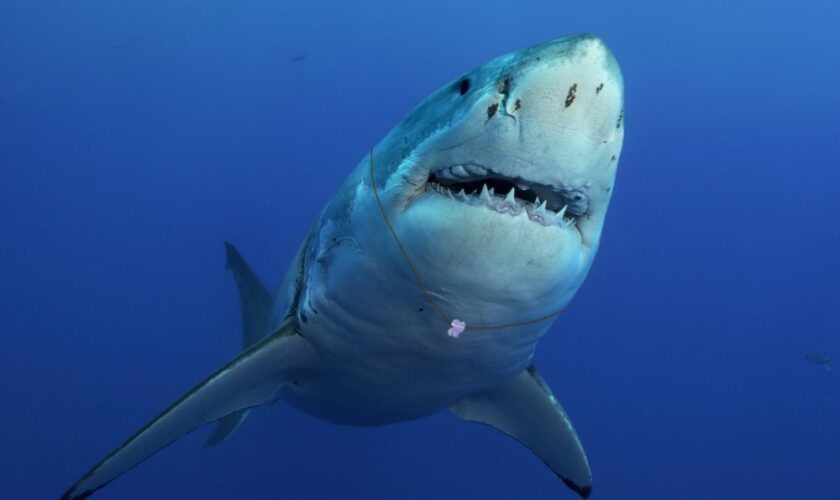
599,88
504,86
570,97
492,110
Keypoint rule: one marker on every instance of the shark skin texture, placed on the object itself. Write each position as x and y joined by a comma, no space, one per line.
428,279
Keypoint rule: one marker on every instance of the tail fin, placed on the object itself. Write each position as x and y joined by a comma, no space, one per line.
255,308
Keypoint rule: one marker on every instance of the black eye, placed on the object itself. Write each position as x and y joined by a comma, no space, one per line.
464,86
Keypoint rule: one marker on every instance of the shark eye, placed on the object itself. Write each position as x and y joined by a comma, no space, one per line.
464,86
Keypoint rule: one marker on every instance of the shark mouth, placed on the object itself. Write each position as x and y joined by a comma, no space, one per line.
480,186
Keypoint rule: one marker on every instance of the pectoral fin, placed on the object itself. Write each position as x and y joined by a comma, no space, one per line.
525,409
249,380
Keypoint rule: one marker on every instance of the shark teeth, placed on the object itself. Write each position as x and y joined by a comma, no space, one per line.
509,204
542,208
445,174
511,196
461,172
475,170
537,213
472,178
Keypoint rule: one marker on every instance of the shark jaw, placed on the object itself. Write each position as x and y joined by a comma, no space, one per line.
480,186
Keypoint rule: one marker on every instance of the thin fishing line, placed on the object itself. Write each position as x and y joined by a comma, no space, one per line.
419,280
414,271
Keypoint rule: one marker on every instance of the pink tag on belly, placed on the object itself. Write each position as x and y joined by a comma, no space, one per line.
456,328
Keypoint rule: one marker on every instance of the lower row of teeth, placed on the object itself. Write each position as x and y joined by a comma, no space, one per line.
537,211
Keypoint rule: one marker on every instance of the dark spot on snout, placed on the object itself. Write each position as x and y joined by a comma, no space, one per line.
599,88
620,119
504,86
491,110
464,86
570,97
613,158
517,105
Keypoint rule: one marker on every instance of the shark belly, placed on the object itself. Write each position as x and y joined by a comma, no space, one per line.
385,354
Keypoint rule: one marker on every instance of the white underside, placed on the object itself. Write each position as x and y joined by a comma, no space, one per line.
386,353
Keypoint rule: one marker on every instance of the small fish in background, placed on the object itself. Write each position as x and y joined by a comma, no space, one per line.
298,58
122,44
818,359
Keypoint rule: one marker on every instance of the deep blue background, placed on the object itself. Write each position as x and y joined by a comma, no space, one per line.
136,136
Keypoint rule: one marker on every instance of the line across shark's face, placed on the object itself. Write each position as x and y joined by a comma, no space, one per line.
506,174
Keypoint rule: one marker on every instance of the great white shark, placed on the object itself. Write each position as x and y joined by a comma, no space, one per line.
428,279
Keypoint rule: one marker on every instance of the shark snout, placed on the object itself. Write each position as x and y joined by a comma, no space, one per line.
572,85
566,99
537,132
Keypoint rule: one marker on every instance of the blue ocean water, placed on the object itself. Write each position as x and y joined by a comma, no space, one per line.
135,137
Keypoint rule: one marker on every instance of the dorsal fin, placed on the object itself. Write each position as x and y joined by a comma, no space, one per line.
255,309
254,299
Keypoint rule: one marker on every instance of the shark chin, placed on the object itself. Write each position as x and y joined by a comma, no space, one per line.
427,281
494,261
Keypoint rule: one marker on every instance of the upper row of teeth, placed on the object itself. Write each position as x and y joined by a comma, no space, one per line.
536,211
461,172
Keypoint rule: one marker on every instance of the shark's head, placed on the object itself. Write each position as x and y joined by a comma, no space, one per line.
498,184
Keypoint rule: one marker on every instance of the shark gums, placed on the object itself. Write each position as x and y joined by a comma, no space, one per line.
428,279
